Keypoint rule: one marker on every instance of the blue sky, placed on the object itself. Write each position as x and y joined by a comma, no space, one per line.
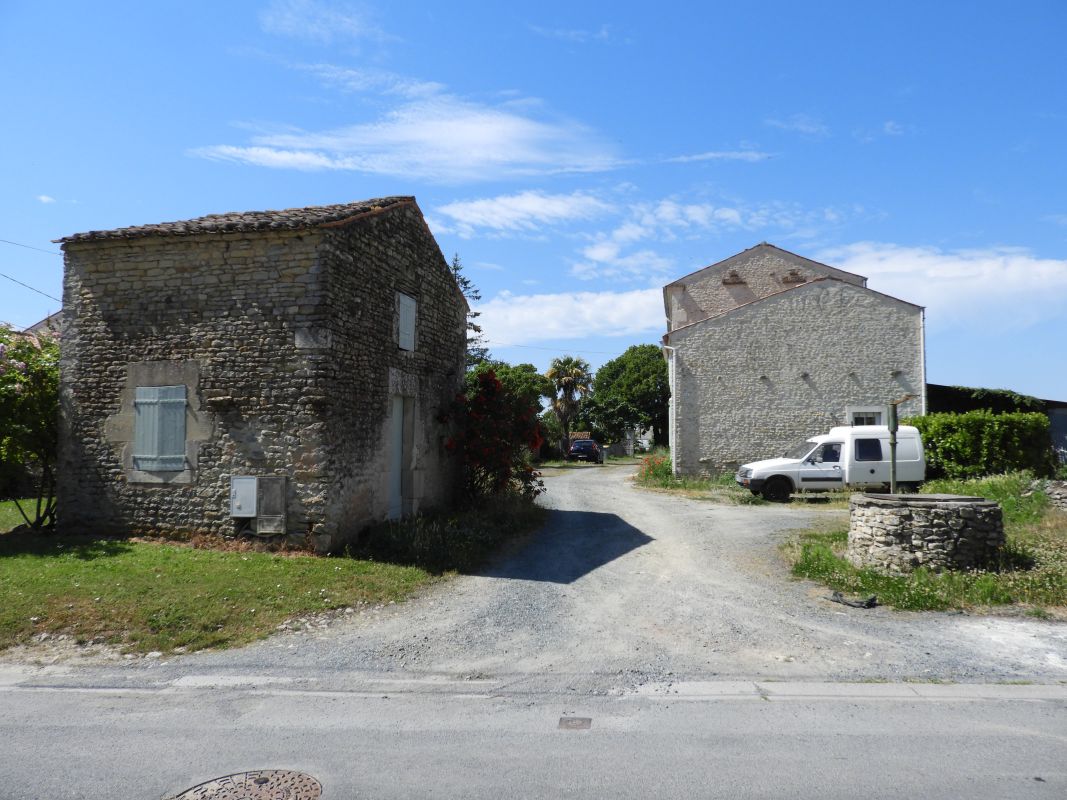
577,157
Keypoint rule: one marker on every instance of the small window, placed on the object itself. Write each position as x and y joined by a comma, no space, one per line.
829,453
159,428
406,328
869,450
865,415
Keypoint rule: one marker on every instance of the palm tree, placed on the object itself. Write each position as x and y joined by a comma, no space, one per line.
571,382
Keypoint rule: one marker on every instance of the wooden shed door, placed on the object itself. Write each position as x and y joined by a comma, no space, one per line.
396,456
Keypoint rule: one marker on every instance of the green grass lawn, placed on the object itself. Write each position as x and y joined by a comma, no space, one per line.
1032,572
144,596
10,516
147,595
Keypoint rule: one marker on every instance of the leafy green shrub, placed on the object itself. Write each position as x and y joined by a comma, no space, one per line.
983,443
655,470
29,417
498,433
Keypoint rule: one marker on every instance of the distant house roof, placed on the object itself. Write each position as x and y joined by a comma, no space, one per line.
52,323
825,280
788,255
286,219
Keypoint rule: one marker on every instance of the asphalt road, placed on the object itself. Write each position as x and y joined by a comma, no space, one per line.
671,625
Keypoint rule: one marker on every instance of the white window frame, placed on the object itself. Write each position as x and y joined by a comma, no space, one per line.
852,411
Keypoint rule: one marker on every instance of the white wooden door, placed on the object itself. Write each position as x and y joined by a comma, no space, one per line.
396,456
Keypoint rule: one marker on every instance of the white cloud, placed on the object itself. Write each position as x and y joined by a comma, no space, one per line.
573,35
800,123
618,254
320,22
1056,219
371,80
891,128
525,211
510,319
44,198
722,155
999,288
439,138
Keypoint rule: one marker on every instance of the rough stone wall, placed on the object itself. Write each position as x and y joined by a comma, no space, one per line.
895,536
366,265
287,342
223,309
761,271
1056,492
749,384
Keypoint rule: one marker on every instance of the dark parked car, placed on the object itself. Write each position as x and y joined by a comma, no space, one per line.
585,450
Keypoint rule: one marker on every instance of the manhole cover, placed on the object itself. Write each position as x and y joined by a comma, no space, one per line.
264,784
575,723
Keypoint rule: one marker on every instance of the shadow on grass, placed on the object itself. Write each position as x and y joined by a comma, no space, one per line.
1014,558
37,543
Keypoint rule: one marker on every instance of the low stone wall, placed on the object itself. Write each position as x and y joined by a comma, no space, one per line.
1056,491
895,534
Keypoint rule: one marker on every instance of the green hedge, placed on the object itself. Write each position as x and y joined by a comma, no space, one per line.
981,443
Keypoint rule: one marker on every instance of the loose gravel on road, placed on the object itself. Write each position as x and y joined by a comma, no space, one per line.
626,587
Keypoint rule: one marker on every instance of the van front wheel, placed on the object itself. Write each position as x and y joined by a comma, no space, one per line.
777,490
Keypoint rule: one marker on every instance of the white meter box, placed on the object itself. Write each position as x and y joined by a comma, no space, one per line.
243,496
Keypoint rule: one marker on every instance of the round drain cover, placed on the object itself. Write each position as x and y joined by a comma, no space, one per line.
264,784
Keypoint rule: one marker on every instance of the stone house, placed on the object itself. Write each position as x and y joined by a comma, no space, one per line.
767,348
312,349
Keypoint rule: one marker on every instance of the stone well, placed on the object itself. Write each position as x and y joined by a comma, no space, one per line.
895,533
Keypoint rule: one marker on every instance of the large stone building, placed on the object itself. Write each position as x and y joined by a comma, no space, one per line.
767,348
314,348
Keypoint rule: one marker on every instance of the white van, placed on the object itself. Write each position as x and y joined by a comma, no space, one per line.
855,457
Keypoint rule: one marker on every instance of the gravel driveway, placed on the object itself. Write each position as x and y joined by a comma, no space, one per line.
625,587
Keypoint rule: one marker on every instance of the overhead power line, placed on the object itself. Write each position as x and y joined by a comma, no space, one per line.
31,247
32,289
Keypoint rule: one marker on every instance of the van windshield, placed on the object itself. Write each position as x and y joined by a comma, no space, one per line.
799,450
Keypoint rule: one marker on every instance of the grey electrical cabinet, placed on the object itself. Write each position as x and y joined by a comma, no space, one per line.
261,499
242,497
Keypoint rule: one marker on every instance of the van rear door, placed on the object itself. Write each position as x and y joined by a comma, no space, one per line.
869,461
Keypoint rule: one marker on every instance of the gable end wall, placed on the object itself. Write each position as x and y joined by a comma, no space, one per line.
752,382
763,270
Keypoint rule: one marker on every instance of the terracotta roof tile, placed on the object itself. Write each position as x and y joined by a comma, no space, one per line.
286,219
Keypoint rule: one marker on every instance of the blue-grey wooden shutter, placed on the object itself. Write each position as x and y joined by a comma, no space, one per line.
406,332
159,428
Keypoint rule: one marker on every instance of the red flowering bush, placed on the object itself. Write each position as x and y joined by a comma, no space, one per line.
497,434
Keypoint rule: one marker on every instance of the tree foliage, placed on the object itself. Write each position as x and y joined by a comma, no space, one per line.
477,351
497,434
631,391
961,399
522,381
571,382
29,415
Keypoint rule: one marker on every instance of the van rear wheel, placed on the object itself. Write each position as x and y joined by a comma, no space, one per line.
777,490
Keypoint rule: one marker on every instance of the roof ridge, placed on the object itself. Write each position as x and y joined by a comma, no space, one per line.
786,290
235,221
722,261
